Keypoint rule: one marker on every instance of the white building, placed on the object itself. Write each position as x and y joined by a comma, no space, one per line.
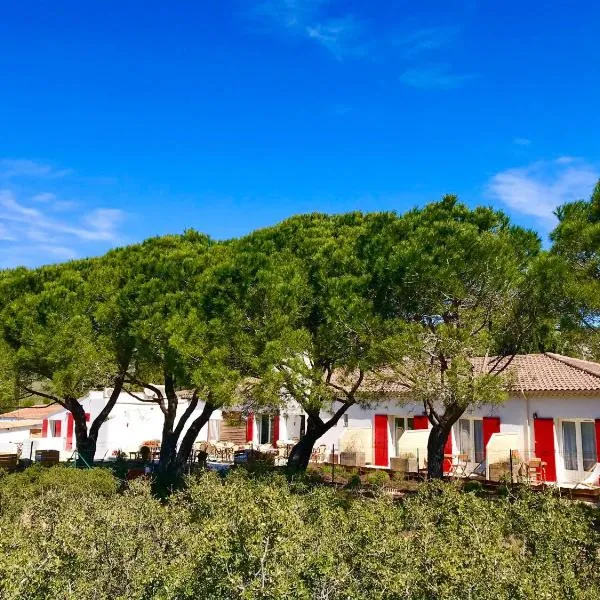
553,414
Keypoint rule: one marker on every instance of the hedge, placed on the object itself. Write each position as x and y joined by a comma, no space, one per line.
72,534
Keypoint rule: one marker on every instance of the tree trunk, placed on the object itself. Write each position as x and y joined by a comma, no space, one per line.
315,428
435,450
86,445
187,443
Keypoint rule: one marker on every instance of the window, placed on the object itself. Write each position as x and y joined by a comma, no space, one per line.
265,429
214,430
402,424
54,428
579,445
345,420
470,439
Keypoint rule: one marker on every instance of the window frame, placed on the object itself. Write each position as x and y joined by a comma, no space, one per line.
473,454
578,444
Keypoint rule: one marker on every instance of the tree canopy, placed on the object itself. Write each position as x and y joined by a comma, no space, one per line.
309,310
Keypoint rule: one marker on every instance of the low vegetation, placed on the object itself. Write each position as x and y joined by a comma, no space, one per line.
73,534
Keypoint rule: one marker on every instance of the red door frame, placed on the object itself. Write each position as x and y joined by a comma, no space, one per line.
491,425
543,433
421,422
381,455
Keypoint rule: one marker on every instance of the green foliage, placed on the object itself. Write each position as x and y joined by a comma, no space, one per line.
577,241
243,537
378,478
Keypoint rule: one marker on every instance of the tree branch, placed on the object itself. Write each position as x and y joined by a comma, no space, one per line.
186,415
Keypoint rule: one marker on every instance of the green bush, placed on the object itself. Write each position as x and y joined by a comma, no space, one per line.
378,478
70,535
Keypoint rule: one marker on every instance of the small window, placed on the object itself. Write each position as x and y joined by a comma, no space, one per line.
265,429
470,439
579,445
345,420
54,428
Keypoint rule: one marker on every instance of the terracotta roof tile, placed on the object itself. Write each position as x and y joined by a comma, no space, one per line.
37,412
532,373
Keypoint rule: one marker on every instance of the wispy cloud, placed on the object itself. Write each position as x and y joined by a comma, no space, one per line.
521,141
287,13
19,168
340,36
40,225
435,76
423,40
539,188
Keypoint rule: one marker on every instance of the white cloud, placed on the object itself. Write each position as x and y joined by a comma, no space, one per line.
44,197
288,13
339,36
49,236
539,188
19,168
435,76
426,39
521,141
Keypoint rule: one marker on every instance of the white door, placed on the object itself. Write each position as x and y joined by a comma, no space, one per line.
578,448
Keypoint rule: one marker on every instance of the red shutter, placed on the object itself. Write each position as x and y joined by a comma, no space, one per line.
87,417
543,433
57,428
598,439
275,429
448,450
420,422
381,440
490,425
69,444
250,427
45,428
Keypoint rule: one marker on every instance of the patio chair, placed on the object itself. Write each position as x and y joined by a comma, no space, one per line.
459,466
590,481
535,471
320,454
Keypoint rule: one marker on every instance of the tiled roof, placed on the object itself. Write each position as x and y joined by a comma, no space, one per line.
19,424
530,372
37,412
553,372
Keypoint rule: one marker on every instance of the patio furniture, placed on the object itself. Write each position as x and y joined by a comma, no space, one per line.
352,459
459,464
318,454
48,458
8,462
535,471
228,449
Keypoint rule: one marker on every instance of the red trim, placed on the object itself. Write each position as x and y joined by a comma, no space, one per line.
58,427
543,433
448,450
420,422
275,429
381,441
69,445
87,417
45,428
490,425
598,439
250,427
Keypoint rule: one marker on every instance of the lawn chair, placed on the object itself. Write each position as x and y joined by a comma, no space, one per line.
318,454
535,471
459,466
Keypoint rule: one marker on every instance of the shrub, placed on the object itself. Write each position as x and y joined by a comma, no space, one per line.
378,478
69,535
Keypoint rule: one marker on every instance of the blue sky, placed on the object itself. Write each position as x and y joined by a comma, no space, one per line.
121,119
